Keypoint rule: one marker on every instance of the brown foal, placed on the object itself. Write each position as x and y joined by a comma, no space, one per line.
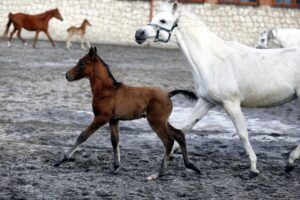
114,101
36,23
81,30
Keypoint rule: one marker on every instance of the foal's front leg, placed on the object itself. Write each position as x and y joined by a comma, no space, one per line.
82,41
293,156
114,136
95,125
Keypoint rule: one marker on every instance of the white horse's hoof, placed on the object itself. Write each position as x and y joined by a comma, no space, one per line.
152,177
8,44
289,167
25,43
253,174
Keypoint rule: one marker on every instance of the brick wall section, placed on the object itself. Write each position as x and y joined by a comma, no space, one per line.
115,21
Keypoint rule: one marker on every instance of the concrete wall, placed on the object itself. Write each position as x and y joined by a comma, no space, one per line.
115,21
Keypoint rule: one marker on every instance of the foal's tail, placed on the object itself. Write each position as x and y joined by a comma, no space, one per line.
8,24
190,95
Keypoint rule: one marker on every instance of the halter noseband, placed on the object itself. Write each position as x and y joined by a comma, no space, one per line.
159,28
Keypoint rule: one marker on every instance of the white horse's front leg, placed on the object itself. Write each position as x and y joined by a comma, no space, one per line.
234,111
199,111
293,156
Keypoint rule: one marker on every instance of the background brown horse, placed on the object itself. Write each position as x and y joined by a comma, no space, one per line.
114,101
36,23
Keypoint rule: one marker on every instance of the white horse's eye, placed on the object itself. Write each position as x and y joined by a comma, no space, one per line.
162,21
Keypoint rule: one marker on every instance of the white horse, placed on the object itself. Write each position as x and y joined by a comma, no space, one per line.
229,74
284,37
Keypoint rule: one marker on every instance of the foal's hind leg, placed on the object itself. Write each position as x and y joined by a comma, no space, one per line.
96,124
69,44
293,156
159,126
114,136
180,138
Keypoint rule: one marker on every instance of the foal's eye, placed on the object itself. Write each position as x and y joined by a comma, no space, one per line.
162,21
262,40
81,63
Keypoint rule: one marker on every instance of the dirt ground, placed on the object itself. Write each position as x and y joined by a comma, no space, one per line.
41,114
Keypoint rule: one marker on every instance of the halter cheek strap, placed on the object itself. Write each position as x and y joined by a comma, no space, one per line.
159,28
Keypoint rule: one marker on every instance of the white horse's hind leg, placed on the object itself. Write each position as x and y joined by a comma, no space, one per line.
234,111
199,111
293,156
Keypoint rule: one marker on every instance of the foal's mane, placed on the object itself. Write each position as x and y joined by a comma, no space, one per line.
116,83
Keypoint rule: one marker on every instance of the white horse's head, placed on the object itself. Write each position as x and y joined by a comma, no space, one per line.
161,26
264,38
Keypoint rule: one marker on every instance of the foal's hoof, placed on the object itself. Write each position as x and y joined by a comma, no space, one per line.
114,170
57,164
64,159
253,174
289,168
193,167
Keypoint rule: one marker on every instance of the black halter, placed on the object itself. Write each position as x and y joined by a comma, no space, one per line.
159,28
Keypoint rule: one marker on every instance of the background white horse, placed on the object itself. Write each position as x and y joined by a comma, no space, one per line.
284,37
229,74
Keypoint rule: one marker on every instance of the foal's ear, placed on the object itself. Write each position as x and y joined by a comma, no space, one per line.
95,50
91,52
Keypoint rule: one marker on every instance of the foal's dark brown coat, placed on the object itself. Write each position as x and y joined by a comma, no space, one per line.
113,101
36,23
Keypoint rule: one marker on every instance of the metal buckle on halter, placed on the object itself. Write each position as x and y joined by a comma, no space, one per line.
159,28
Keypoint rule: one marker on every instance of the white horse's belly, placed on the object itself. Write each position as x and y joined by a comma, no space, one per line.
268,98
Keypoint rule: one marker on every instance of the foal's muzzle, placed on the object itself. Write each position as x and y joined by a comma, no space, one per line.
68,77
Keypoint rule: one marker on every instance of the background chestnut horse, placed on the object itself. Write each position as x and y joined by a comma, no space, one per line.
36,23
114,101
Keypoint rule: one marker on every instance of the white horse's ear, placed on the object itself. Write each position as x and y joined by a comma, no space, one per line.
174,7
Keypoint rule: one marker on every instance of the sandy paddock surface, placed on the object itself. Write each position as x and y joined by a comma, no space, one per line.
41,114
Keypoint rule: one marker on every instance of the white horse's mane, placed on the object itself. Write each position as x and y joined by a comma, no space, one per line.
193,24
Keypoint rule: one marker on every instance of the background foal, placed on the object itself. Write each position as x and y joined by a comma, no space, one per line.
81,30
